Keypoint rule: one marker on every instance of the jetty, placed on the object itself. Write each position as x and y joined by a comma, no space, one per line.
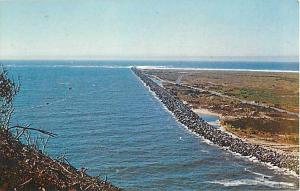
193,122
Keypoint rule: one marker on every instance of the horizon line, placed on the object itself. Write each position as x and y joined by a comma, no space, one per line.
170,58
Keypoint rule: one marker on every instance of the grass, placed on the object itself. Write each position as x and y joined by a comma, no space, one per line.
274,89
274,126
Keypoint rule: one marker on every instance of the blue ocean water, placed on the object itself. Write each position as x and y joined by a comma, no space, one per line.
244,65
107,121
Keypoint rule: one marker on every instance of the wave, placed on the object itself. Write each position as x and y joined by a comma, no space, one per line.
258,174
253,182
249,158
202,139
154,67
216,69
283,171
162,67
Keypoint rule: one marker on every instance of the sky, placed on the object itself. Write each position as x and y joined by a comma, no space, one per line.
151,29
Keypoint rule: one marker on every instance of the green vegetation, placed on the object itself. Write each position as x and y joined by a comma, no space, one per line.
278,90
275,89
8,90
274,126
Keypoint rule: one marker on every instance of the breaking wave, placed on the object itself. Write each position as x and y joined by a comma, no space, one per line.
254,182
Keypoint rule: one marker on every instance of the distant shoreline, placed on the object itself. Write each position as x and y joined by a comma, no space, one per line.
149,67
216,69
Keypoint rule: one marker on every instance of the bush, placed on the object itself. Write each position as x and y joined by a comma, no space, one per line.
8,90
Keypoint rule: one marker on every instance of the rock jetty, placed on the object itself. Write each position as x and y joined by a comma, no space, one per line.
192,121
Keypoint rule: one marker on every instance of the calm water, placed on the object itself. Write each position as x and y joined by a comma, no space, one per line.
111,124
212,119
292,66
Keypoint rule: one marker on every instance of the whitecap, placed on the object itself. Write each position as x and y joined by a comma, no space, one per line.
258,174
215,69
151,67
207,141
253,182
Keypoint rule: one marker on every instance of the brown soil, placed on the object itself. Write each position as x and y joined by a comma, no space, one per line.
280,143
263,125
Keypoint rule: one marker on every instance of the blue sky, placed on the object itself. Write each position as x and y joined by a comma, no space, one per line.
148,28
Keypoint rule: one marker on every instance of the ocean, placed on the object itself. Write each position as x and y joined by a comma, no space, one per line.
107,121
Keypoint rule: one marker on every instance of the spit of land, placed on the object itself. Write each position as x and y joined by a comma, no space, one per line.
259,107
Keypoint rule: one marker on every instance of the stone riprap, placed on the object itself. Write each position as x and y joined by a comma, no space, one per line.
193,122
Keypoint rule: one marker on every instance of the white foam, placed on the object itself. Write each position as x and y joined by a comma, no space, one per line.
152,67
214,69
253,182
250,158
171,113
257,173
269,165
144,67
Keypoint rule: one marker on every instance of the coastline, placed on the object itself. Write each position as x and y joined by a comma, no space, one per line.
256,112
213,69
278,147
227,141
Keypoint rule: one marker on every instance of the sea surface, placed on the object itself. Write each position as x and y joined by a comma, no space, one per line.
107,121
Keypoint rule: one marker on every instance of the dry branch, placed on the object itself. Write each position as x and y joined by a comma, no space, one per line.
33,129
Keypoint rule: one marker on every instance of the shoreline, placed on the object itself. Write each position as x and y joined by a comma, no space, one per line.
258,122
252,140
213,69
192,122
206,111
149,67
